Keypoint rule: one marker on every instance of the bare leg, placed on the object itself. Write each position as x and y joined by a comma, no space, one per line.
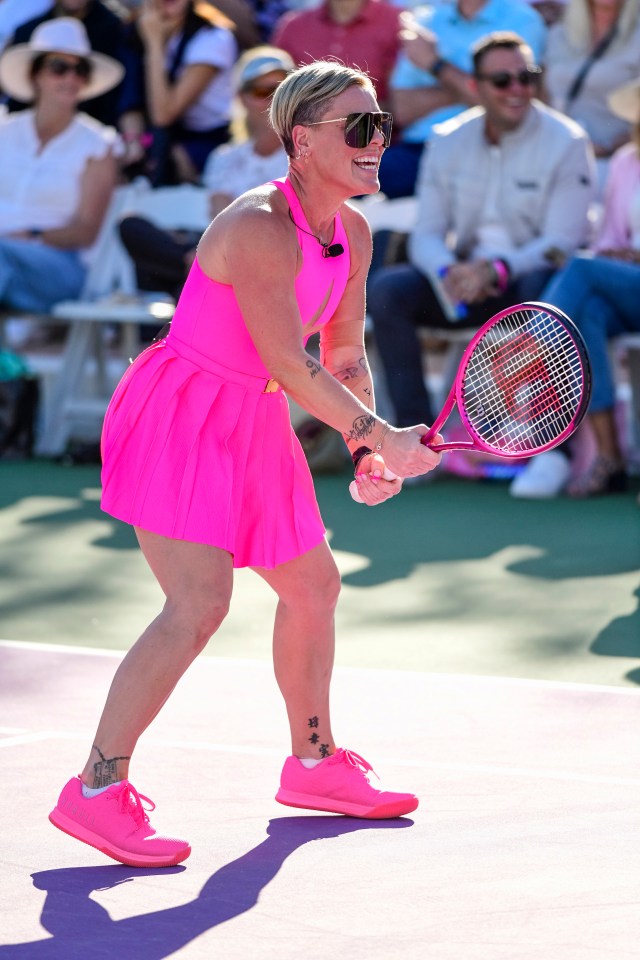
304,644
606,436
197,581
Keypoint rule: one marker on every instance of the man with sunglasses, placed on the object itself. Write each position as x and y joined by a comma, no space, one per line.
432,79
504,188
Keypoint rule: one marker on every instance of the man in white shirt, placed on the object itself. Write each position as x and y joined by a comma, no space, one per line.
504,190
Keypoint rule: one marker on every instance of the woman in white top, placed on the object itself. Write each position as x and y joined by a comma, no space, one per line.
57,166
187,59
163,257
594,49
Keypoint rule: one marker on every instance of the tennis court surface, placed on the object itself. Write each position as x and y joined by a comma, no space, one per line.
525,845
487,660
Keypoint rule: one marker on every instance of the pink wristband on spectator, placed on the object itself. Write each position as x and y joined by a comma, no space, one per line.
502,273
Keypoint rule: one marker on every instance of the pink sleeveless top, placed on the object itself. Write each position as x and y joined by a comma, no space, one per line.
194,449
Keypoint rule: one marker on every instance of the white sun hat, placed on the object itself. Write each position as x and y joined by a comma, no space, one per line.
60,35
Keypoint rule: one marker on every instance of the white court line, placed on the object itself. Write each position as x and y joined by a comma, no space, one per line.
526,772
233,661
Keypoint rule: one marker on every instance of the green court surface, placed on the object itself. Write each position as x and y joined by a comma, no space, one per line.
453,577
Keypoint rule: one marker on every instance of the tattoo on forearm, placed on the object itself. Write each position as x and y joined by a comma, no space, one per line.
365,366
349,373
314,368
361,427
367,391
105,771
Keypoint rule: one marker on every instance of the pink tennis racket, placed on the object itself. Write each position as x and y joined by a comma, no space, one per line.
522,387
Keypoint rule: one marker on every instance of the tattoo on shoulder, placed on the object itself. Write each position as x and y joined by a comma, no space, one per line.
361,427
105,771
314,367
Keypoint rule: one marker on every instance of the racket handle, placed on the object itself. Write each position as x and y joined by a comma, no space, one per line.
353,486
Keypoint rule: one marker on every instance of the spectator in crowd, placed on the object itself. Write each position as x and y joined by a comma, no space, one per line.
601,294
163,257
58,167
551,11
594,49
13,13
503,188
432,82
105,30
179,65
358,33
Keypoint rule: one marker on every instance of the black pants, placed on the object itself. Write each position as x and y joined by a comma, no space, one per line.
158,254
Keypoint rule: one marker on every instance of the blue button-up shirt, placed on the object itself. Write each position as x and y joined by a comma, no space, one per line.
456,38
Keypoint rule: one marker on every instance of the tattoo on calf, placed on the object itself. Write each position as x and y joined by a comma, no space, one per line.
105,771
314,368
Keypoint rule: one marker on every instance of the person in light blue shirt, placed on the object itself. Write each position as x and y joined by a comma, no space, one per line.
431,80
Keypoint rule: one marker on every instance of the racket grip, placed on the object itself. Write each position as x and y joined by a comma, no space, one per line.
353,486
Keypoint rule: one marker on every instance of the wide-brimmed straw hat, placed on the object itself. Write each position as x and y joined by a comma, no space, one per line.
624,101
60,35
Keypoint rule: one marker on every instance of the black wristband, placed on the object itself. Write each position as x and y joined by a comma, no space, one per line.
358,454
438,67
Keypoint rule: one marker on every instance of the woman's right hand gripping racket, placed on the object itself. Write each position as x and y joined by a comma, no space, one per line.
522,387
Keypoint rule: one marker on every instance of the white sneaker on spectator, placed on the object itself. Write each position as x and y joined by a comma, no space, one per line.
545,476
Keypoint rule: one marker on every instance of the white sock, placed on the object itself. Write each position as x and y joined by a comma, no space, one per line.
89,792
309,763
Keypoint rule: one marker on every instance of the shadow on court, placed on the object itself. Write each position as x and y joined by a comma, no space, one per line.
80,928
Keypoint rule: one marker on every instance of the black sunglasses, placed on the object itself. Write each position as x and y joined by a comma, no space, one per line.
504,79
59,67
359,128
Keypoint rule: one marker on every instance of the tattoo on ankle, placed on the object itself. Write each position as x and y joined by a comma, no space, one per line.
314,738
105,772
324,750
313,721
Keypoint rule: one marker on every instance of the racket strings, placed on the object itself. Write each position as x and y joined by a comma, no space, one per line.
523,383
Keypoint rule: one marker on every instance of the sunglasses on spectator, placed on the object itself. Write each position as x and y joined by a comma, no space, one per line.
261,93
359,128
60,68
503,79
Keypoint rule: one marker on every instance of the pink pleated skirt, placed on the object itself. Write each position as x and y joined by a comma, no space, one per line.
196,452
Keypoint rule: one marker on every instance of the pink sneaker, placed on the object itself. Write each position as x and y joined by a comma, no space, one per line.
340,784
116,823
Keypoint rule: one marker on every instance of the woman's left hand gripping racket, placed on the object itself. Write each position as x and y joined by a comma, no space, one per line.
522,387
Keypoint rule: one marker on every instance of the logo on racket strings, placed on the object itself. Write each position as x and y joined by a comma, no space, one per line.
523,378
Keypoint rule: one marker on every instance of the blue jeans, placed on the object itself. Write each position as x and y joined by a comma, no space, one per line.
602,297
34,276
400,300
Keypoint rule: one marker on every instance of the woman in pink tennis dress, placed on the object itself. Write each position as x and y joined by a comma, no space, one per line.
199,456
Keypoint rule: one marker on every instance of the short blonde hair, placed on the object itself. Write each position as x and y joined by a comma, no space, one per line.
306,94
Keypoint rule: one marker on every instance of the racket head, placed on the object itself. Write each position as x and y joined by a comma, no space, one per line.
524,381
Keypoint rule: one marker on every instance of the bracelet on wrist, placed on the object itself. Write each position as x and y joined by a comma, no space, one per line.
502,274
385,431
437,67
358,454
